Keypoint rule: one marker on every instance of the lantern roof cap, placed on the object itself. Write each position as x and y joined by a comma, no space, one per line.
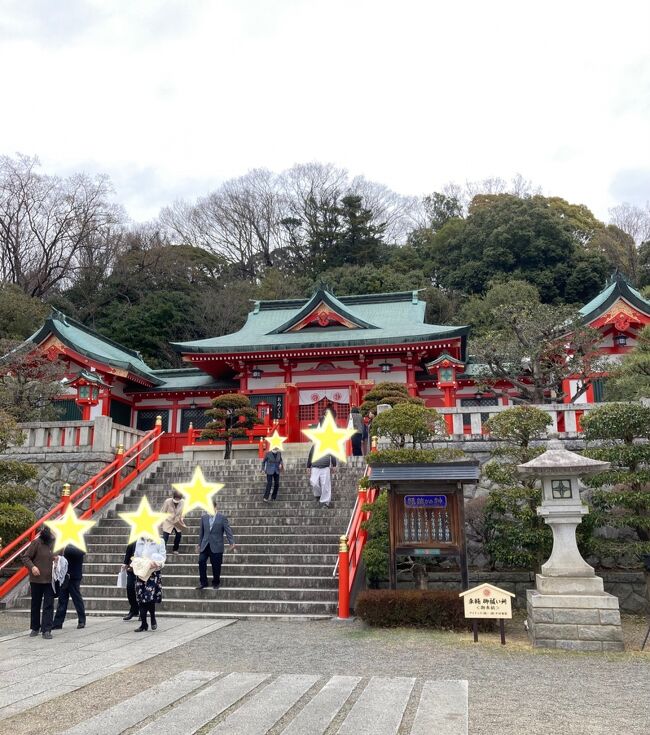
557,460
87,376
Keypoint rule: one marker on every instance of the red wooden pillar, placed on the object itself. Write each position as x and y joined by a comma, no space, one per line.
291,412
411,385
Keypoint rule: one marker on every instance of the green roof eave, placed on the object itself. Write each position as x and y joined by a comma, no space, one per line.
365,340
92,345
618,288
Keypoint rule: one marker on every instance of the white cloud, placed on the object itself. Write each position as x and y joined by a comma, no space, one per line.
172,97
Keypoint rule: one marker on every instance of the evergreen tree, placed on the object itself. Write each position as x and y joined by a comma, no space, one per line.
15,517
232,414
621,495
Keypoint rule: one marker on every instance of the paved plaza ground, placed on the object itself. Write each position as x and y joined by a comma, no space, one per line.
311,665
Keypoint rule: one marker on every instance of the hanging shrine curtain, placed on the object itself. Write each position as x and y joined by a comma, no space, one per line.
336,395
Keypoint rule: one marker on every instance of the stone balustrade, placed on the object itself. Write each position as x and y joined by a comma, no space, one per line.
98,435
468,422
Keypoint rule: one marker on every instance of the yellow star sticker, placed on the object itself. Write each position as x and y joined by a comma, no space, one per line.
69,529
198,492
144,521
275,441
328,438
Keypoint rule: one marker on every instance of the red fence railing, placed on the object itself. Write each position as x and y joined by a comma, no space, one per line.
351,545
93,495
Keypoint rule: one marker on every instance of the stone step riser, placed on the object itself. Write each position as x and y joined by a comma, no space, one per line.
231,608
228,581
240,558
112,564
282,541
225,593
101,544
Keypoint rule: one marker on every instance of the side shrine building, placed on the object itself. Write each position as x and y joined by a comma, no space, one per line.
294,357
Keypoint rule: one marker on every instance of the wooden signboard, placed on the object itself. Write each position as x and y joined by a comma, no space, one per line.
426,511
487,601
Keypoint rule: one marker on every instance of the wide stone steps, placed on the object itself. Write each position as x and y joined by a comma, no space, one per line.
286,549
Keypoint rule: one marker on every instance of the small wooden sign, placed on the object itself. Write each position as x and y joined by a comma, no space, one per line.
487,601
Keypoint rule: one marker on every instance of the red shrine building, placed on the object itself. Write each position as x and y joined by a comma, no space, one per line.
294,357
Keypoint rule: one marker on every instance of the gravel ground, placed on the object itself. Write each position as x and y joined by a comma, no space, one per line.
512,688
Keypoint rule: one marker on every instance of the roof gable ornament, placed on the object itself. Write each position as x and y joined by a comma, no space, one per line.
323,311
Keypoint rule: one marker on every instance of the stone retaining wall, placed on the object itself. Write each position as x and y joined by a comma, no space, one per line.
629,587
55,469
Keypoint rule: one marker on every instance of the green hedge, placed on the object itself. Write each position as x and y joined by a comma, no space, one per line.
441,609
414,456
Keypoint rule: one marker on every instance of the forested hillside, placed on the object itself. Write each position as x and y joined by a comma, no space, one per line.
193,272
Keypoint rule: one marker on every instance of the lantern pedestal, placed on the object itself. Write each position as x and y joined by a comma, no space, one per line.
575,622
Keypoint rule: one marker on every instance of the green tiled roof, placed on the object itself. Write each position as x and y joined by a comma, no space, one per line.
86,342
191,379
618,287
389,318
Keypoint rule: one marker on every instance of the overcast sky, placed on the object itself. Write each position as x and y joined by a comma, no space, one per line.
171,97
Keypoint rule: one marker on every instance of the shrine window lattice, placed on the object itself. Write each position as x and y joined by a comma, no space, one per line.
313,411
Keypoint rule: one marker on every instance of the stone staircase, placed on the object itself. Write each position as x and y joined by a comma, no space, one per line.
286,549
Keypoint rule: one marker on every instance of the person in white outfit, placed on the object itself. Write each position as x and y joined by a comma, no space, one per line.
320,477
149,592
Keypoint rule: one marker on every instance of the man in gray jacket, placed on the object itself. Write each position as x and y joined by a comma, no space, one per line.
272,465
213,528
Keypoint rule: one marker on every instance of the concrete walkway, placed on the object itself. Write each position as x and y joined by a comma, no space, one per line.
34,670
291,704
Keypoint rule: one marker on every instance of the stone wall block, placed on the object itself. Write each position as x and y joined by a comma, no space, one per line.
552,631
600,633
579,616
613,646
610,617
541,615
579,645
541,643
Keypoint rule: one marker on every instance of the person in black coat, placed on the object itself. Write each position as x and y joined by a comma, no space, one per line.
72,589
134,608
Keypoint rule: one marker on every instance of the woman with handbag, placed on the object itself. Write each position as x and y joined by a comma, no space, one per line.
148,560
39,558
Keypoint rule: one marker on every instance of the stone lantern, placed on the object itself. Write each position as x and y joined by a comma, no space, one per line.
569,607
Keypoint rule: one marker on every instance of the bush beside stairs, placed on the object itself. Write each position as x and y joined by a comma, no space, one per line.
286,549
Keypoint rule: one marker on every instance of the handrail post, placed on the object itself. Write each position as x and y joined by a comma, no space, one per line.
344,578
117,478
260,448
362,499
158,432
65,496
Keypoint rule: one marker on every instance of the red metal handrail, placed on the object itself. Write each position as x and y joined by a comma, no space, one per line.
88,491
351,547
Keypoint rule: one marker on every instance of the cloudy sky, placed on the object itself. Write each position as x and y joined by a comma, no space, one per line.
171,97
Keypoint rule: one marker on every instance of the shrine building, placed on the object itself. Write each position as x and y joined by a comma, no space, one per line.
294,357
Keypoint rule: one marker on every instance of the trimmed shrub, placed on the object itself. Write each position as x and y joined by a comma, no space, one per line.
14,519
414,456
440,609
